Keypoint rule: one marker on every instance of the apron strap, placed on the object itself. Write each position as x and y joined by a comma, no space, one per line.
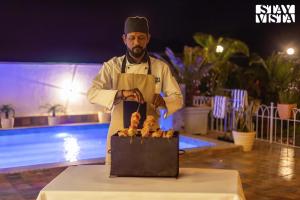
149,65
123,67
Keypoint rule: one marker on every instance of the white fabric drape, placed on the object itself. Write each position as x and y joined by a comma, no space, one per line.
92,182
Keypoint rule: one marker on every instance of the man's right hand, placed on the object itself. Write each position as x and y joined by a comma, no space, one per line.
133,94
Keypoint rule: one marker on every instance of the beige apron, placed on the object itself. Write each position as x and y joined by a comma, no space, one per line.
146,84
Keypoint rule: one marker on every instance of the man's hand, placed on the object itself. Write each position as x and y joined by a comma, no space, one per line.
158,101
133,94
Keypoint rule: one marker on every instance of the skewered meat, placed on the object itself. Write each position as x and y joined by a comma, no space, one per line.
169,133
132,131
123,132
157,133
135,120
151,123
150,128
145,131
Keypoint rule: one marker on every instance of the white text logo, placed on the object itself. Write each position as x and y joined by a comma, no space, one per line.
275,14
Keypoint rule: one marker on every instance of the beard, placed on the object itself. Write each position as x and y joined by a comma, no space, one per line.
136,51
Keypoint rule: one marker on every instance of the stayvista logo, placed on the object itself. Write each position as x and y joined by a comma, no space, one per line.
275,14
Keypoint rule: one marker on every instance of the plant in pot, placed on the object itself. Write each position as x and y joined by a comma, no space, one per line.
52,110
283,75
243,128
288,101
7,116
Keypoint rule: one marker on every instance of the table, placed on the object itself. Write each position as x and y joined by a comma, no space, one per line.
88,182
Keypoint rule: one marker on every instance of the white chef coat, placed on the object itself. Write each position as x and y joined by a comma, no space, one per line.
103,90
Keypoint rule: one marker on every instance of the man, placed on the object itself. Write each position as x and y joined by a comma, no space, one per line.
134,82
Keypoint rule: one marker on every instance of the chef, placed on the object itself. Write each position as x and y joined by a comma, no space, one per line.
134,82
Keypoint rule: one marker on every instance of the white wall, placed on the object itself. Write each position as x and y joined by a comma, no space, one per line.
27,86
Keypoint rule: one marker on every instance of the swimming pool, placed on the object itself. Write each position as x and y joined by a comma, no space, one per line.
44,145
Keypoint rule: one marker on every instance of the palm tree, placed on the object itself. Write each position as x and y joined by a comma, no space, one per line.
249,75
190,68
222,66
202,66
283,75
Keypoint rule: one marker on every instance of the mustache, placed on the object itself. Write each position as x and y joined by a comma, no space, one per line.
137,47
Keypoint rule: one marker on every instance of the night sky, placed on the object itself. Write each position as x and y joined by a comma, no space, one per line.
90,31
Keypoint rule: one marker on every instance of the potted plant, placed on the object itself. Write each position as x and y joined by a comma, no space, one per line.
283,73
52,110
7,116
243,129
288,101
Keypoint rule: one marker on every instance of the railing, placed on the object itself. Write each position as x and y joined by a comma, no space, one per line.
221,125
271,128
201,100
268,125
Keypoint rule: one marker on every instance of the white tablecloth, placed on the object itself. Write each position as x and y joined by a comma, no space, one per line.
92,182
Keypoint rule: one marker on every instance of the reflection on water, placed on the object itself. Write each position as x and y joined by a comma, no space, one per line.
71,148
62,135
286,163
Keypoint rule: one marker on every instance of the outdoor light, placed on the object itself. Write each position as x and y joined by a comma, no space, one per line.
290,51
219,49
70,90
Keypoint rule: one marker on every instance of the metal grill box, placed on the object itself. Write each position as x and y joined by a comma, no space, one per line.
144,157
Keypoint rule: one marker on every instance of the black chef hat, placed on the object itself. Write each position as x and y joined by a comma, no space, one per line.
136,24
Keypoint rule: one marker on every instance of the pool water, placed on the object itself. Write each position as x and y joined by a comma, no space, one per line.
58,144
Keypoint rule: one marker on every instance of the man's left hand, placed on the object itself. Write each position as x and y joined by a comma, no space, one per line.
158,101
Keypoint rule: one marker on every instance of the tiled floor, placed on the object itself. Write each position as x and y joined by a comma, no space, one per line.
268,172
